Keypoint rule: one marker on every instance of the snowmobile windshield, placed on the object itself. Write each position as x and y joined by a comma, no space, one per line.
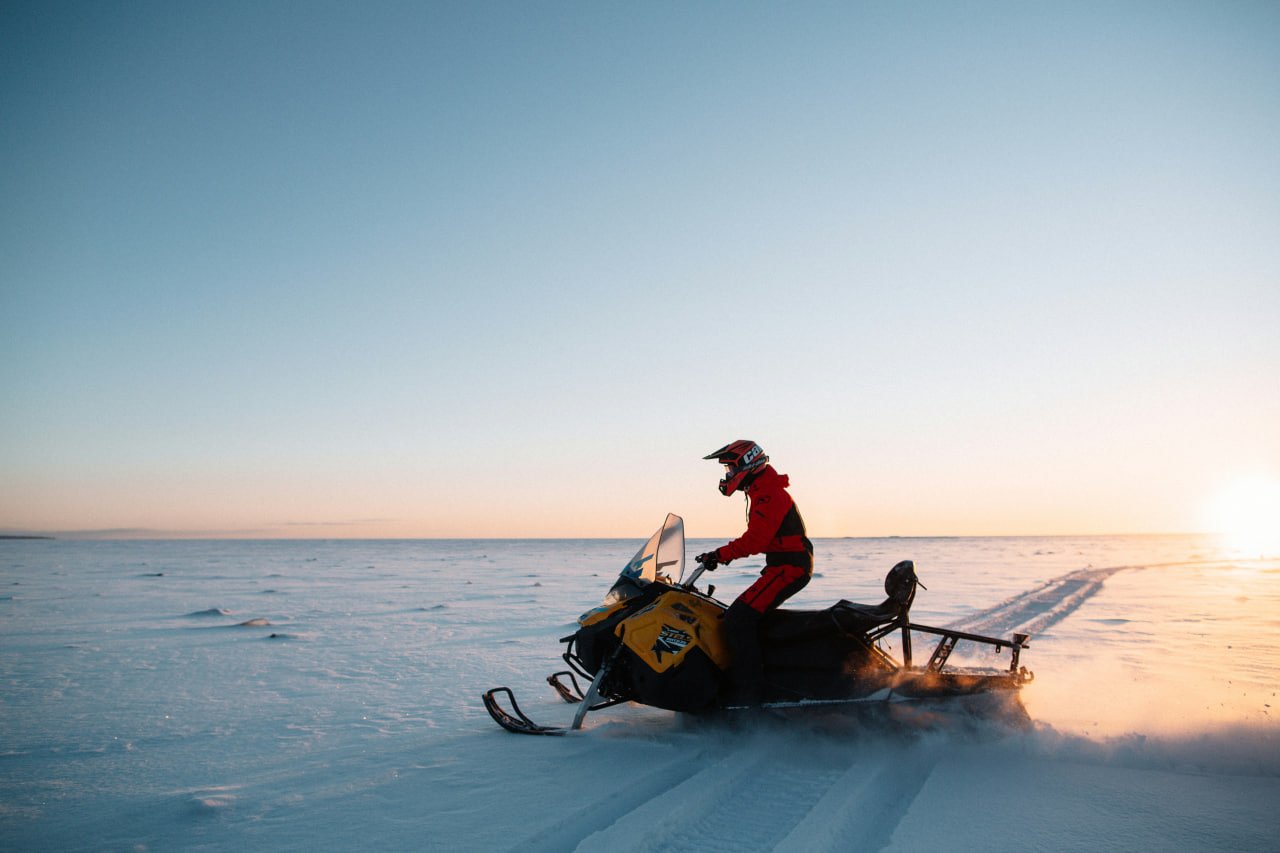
659,559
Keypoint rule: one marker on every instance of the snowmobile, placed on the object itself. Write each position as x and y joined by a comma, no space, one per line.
658,641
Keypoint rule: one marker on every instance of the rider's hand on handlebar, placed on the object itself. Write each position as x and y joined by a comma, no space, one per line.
709,560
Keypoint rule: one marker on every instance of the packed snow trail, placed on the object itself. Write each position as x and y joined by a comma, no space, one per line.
764,786
612,807
863,808
1036,610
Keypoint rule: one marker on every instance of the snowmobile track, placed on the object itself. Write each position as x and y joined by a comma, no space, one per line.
861,810
569,833
1037,609
696,813
770,792
1034,611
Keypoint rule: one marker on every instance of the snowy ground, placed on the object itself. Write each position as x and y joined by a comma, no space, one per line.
325,695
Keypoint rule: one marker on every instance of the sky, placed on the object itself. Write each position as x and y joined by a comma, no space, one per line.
308,269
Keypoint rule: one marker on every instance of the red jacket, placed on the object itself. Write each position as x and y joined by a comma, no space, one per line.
774,525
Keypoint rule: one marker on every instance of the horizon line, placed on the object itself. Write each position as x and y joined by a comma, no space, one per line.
155,535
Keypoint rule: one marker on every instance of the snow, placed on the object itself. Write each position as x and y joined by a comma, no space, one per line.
322,695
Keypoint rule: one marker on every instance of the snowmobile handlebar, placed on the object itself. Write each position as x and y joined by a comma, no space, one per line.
694,577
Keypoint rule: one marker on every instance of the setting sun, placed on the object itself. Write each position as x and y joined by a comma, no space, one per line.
1247,514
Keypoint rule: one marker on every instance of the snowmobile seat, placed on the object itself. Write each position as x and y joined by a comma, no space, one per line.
842,617
899,584
864,618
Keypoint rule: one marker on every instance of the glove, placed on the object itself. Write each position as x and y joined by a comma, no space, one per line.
709,560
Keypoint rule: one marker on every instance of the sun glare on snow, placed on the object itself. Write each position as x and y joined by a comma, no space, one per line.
1247,514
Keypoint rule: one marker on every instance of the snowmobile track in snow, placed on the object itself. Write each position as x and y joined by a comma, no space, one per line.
772,792
599,815
1034,611
861,809
1037,609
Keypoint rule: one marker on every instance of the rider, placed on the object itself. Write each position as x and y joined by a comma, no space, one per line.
775,529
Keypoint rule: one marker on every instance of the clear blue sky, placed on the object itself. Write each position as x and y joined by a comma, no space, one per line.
469,269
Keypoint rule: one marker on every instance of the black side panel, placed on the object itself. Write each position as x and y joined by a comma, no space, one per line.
781,626
822,654
690,686
595,643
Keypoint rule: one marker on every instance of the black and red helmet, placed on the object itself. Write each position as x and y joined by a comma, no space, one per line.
741,459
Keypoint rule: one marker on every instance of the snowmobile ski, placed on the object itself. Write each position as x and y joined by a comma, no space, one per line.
572,695
515,720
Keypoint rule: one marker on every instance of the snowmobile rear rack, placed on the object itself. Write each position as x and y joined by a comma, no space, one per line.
948,642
